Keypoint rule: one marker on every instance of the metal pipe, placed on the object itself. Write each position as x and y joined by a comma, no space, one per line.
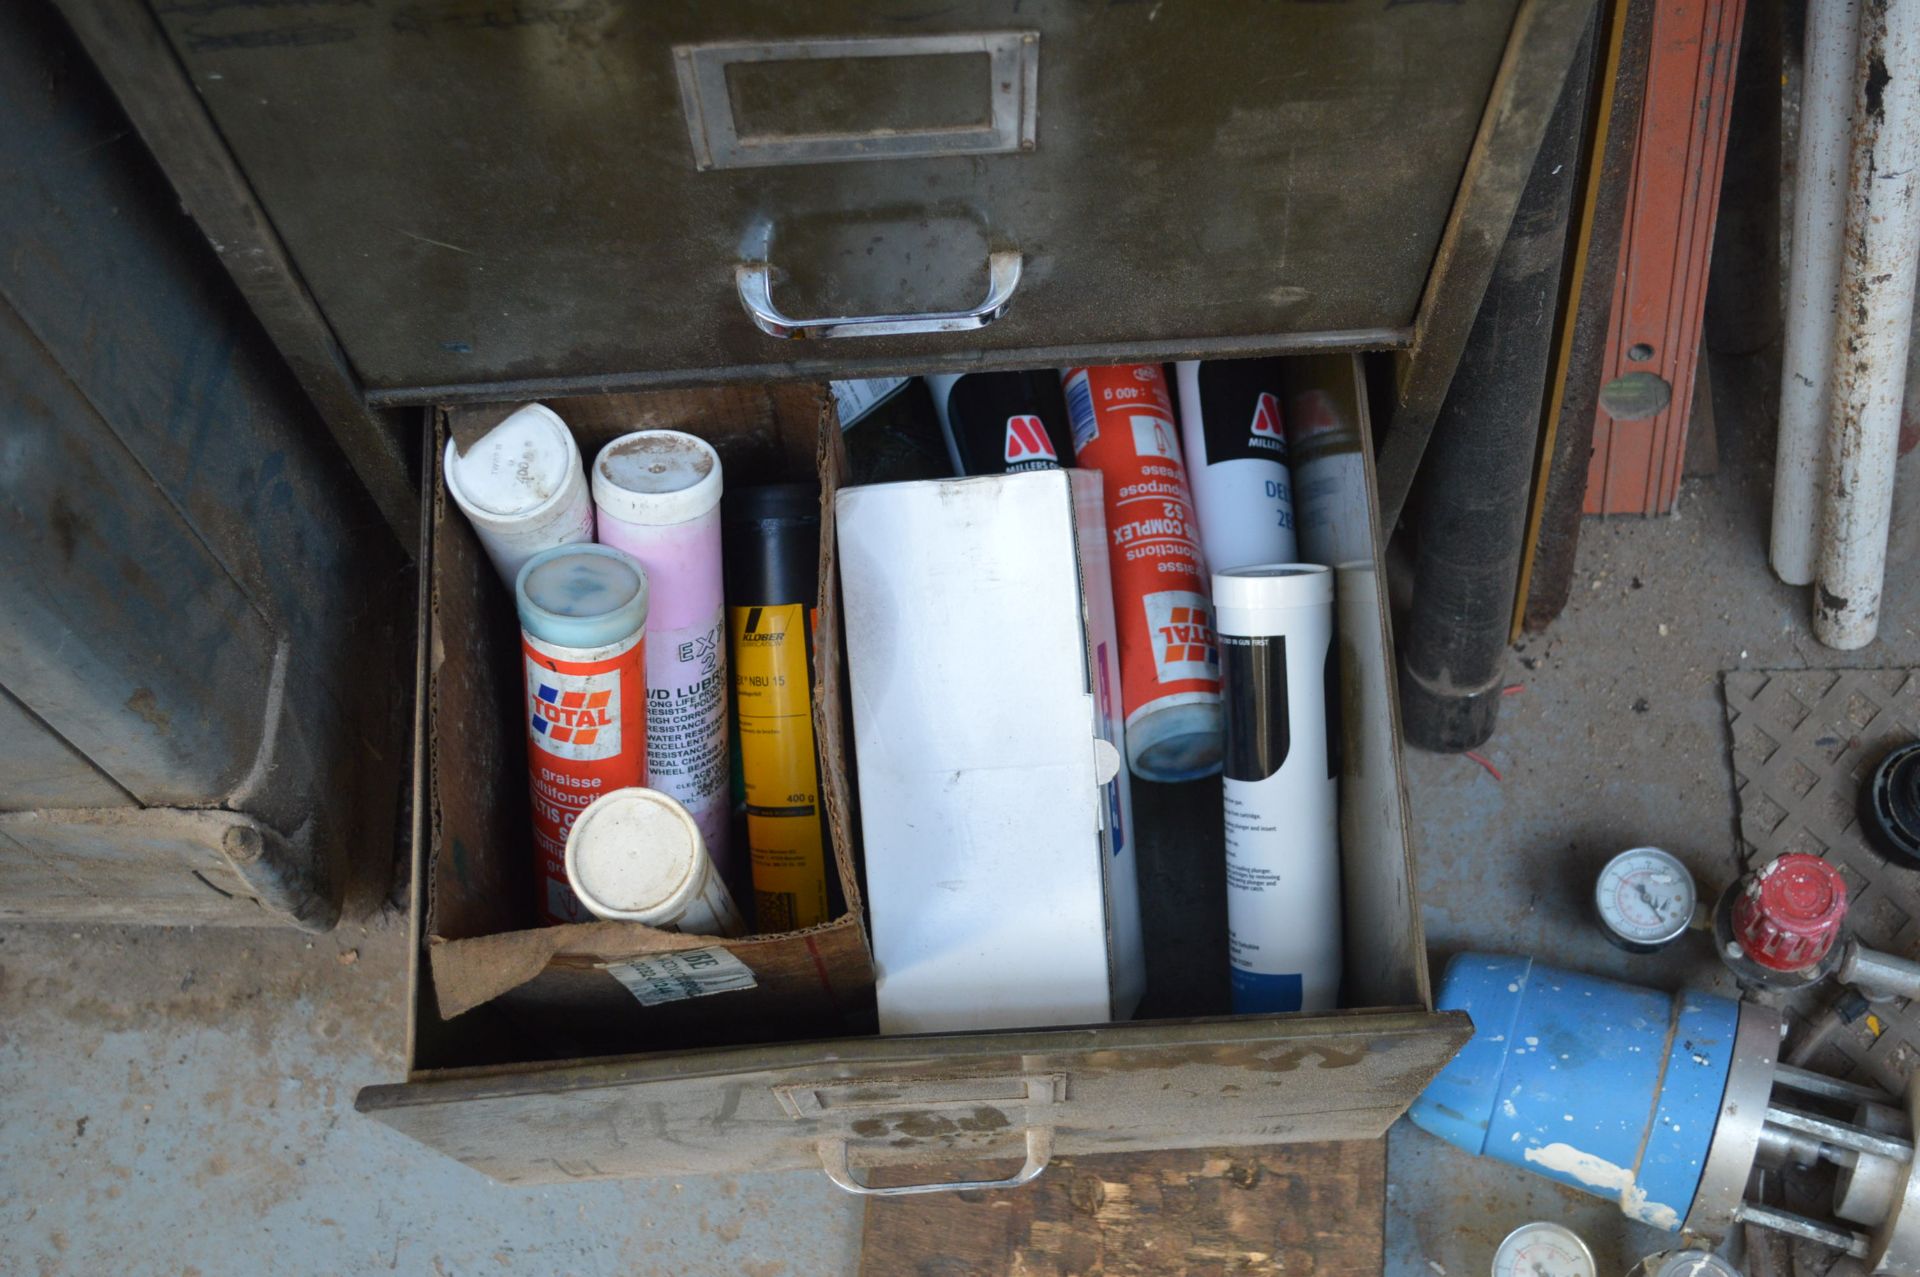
1813,279
1780,1147
1875,312
1841,1134
1468,519
1832,1088
1878,975
1867,1187
1840,1239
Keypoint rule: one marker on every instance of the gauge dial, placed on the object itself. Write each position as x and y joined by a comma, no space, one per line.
1686,1263
1646,899
1542,1249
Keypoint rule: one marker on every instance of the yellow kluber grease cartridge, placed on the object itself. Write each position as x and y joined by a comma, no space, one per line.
772,548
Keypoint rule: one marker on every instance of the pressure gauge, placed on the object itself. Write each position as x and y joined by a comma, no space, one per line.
1543,1249
1646,899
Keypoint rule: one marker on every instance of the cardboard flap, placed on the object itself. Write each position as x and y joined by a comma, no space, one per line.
470,973
554,982
470,425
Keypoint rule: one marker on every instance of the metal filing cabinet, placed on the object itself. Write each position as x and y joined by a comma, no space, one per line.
468,202
488,199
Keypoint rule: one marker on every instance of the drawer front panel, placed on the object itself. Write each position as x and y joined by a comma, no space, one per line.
543,194
890,1101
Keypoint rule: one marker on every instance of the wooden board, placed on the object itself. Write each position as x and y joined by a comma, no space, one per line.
1244,1081
1308,1208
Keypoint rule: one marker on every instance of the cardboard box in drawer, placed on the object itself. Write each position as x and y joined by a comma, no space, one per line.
501,987
997,825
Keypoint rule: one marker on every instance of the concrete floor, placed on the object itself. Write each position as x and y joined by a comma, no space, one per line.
1618,739
179,1101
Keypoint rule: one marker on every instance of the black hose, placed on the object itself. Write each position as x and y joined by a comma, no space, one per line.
1469,523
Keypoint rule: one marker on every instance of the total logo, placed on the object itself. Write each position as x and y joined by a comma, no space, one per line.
1028,445
1267,434
1187,637
574,723
1183,642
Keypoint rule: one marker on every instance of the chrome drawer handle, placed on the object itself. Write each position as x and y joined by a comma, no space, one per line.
755,282
833,1156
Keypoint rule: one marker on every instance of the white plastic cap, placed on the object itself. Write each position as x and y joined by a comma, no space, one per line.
1267,586
656,477
635,855
581,596
517,471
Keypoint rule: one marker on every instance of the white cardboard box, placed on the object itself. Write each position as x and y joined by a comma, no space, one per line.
995,814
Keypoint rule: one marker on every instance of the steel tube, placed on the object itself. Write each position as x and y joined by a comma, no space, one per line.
1780,1147
1610,184
1877,975
1841,1134
1813,280
1790,1078
1867,1187
1871,335
1840,1239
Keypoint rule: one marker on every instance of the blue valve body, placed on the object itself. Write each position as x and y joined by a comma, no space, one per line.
1606,1087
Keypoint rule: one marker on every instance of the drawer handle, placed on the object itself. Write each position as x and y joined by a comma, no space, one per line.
833,1156
755,282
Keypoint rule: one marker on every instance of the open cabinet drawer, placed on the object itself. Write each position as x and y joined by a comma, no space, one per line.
491,1088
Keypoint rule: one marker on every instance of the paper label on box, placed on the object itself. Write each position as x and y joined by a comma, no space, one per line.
855,399
675,977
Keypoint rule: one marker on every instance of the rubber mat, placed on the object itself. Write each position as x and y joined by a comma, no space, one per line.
1804,742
